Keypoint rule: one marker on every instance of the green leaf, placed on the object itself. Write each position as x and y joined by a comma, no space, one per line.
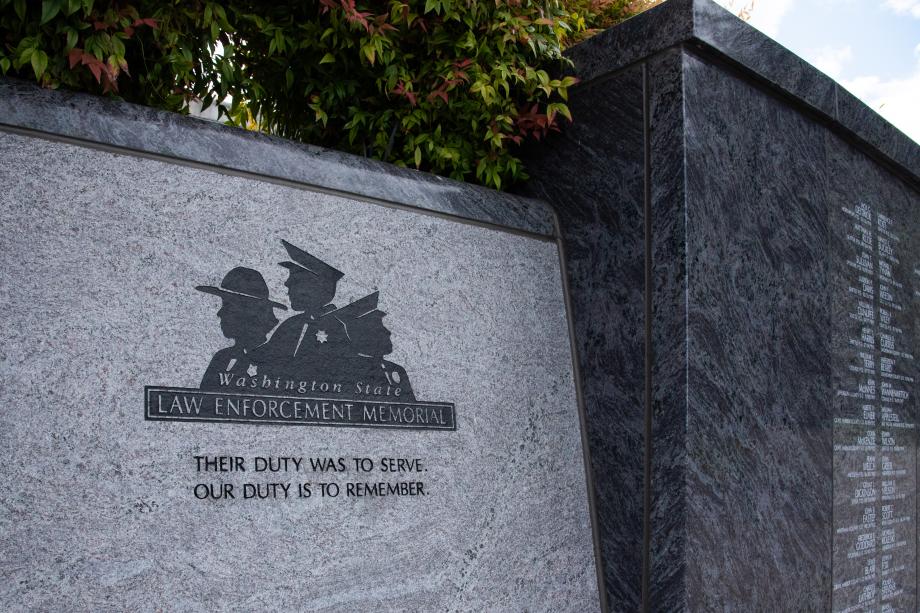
327,59
369,52
39,63
418,157
25,55
289,77
20,7
50,8
558,107
4,65
72,39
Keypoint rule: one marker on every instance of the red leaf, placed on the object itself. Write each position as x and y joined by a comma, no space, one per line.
74,56
438,93
100,25
108,85
147,21
128,31
96,69
400,90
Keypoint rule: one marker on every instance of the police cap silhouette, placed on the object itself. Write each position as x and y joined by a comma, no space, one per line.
301,260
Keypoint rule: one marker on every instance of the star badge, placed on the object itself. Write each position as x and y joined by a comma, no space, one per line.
321,336
252,371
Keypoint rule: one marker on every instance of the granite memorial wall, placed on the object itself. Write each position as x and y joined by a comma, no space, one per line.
742,248
243,374
677,373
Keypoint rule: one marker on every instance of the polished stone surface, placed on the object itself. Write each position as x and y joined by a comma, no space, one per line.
729,195
101,258
668,524
718,29
633,40
876,344
599,199
759,423
188,139
708,28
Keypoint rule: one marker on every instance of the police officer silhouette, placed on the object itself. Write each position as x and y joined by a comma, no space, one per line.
246,317
303,342
369,340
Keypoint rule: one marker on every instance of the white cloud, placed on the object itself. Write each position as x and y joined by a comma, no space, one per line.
766,15
831,60
904,7
897,100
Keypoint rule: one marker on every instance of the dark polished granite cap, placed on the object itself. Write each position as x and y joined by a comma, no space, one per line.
708,28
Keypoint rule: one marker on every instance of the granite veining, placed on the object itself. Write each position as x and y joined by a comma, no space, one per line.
98,299
748,336
632,41
759,424
717,28
706,27
600,205
857,184
138,128
668,342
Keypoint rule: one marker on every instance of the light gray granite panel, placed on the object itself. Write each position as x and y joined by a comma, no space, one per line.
119,124
101,255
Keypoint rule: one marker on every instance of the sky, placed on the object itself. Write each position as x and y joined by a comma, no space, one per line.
871,47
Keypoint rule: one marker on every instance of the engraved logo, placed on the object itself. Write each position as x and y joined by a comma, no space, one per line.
322,365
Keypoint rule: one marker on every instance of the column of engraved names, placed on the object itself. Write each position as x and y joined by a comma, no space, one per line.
874,467
897,465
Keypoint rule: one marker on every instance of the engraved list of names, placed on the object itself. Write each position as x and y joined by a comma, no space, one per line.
875,464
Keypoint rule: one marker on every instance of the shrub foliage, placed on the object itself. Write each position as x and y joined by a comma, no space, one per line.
440,85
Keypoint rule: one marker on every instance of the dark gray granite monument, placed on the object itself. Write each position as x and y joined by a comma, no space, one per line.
239,373
742,239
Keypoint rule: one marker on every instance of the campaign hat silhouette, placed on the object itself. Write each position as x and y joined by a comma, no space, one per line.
242,282
300,259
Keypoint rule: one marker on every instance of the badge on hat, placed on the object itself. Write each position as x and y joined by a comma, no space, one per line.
301,260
